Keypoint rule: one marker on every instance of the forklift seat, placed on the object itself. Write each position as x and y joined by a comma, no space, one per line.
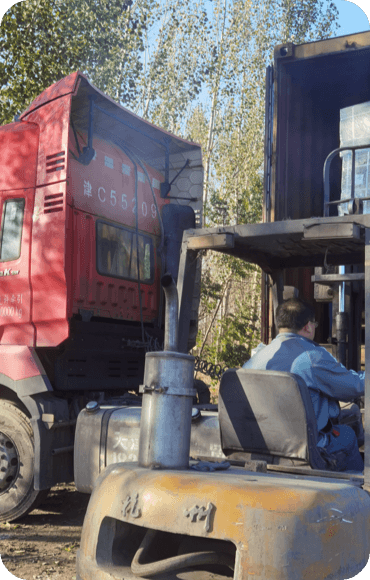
268,415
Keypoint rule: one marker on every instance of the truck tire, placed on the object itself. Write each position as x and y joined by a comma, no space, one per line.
17,495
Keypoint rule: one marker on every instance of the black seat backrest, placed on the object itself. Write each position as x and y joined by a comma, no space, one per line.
268,413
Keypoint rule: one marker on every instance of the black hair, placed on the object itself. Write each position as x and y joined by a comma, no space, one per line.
294,314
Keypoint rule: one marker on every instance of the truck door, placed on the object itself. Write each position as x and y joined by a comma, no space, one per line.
16,209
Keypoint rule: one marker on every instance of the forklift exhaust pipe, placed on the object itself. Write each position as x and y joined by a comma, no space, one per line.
171,325
167,397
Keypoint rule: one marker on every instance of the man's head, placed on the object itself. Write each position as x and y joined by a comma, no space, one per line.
296,316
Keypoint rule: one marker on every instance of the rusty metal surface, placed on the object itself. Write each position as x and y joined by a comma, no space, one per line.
292,243
328,46
217,241
283,528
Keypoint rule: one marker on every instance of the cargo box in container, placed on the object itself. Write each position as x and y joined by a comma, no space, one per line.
354,131
307,88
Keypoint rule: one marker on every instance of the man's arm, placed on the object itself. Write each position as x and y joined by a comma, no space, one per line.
320,370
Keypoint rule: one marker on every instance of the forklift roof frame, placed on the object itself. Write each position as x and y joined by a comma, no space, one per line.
280,245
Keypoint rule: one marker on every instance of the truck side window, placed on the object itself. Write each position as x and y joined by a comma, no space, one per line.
117,253
11,230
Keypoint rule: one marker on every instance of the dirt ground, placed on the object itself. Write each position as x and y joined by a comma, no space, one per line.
43,545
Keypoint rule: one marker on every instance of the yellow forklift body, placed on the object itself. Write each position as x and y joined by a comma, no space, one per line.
282,527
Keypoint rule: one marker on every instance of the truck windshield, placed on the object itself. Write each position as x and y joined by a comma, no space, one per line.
117,253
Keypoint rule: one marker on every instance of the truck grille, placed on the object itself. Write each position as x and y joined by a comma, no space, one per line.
114,368
129,369
99,372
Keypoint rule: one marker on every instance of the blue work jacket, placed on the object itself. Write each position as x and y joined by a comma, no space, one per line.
327,380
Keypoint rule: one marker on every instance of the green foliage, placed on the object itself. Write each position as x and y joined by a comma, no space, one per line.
43,40
228,347
211,290
232,313
175,67
306,20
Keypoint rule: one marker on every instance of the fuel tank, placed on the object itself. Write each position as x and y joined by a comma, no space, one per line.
106,435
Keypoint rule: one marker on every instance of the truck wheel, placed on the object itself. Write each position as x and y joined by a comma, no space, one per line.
17,496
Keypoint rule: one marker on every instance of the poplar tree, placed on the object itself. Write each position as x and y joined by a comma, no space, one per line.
42,41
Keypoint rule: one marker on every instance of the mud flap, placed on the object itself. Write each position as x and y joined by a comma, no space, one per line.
53,440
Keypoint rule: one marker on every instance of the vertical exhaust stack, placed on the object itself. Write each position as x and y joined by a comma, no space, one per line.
171,323
168,396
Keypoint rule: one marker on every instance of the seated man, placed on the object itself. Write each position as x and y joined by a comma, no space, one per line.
329,382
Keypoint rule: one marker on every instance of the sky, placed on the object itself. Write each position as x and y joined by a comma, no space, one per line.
351,18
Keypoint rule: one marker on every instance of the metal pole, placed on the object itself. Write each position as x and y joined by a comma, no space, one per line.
342,289
367,360
171,326
342,322
185,287
342,330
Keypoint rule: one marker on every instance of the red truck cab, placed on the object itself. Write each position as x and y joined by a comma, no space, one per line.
94,201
